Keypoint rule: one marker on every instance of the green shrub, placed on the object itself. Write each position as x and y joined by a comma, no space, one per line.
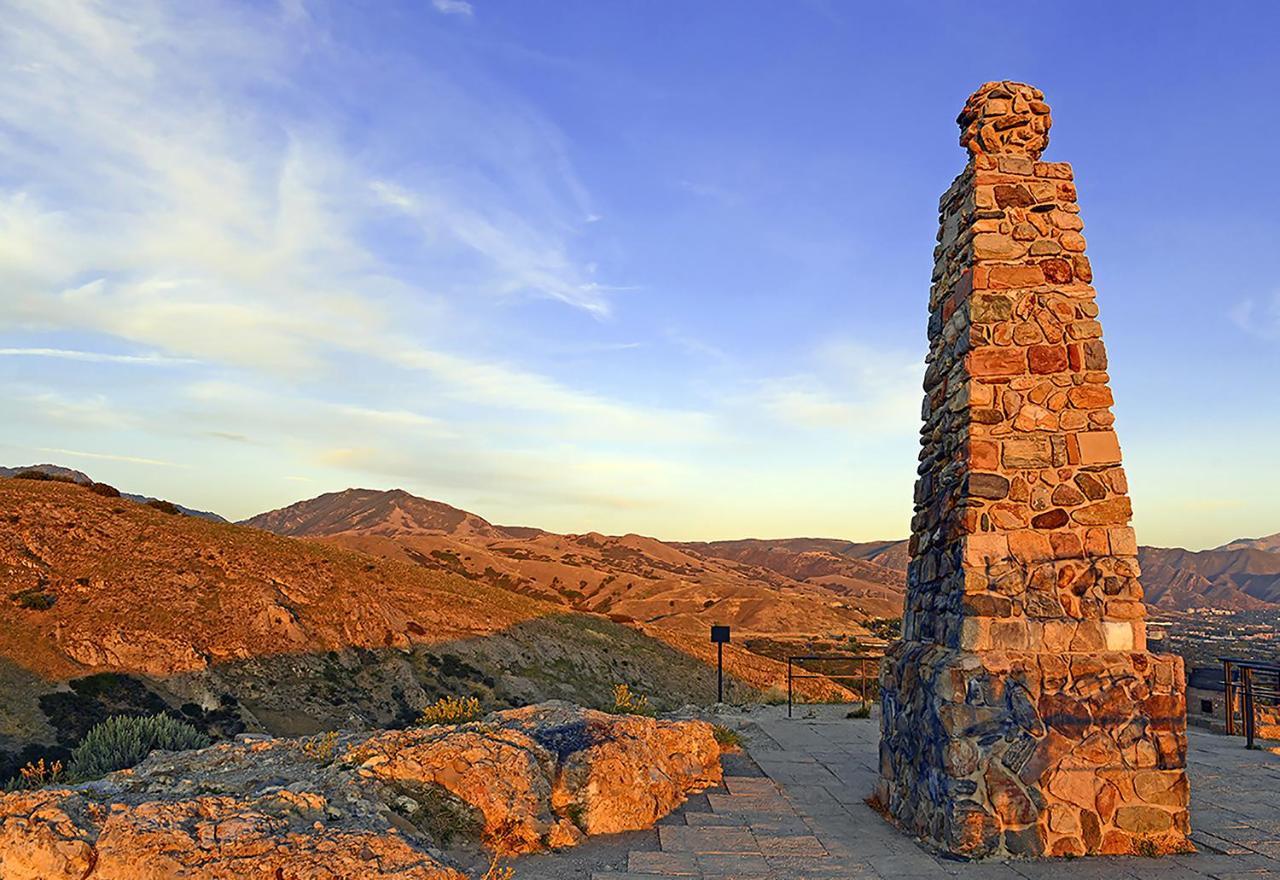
450,710
728,738
123,741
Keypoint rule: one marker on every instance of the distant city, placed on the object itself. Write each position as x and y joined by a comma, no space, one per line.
1203,635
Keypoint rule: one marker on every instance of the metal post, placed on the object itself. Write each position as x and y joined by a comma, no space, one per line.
719,672
788,687
1246,681
862,665
1230,707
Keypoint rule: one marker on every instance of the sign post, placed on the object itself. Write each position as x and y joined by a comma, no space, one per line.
719,635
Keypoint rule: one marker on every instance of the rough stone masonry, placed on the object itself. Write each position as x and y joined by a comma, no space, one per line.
1023,714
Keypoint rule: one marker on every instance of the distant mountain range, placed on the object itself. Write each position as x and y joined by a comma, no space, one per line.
628,577
1270,543
863,579
769,586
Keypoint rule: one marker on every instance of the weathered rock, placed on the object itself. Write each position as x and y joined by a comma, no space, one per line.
1022,712
359,805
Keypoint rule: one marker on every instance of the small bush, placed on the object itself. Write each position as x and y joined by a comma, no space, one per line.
36,774
105,490
438,813
164,506
728,738
498,872
774,695
321,748
627,703
862,711
123,741
450,710
34,598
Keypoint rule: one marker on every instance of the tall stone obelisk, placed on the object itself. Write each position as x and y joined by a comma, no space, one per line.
1023,713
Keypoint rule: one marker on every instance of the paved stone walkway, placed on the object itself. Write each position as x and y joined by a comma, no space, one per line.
805,818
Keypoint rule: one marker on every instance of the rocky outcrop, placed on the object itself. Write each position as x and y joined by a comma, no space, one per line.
346,805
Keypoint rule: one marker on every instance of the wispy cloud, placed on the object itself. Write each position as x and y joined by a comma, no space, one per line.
216,232
401,292
850,387
96,357
106,456
453,7
1258,318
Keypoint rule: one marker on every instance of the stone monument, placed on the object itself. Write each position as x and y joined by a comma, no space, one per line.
1023,714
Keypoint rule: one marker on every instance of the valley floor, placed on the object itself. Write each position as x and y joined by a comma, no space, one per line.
792,809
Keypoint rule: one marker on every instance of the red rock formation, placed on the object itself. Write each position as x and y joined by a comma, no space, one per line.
359,805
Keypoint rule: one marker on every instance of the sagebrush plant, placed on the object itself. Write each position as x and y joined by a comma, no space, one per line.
450,710
123,741
625,702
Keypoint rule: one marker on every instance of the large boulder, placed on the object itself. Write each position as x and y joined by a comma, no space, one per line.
210,838
503,775
620,772
378,806
543,775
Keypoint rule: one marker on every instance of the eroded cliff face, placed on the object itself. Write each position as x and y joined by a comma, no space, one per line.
381,806
1023,714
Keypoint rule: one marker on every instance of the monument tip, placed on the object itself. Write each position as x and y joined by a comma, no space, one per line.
1005,117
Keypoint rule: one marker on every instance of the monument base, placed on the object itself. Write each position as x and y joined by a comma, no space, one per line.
1027,754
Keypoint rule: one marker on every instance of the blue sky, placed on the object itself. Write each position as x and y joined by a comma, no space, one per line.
652,267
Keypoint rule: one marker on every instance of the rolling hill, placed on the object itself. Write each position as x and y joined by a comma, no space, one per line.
629,578
111,606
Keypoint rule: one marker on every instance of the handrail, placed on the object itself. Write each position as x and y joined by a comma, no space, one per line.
1238,682
862,659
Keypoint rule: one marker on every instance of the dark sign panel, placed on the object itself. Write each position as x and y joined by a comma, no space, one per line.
720,634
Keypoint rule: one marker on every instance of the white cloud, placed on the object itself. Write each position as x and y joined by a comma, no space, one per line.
850,387
349,298
106,456
1260,319
168,212
94,356
453,7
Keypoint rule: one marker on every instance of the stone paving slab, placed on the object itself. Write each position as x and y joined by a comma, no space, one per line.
805,817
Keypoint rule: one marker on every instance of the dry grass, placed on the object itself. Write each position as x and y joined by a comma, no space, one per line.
627,702
450,710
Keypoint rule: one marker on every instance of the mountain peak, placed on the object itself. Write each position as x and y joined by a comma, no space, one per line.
1269,543
385,512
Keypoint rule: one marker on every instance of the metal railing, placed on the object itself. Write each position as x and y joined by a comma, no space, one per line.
862,660
1249,685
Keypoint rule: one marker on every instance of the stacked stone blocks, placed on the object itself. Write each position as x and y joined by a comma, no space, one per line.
1022,712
